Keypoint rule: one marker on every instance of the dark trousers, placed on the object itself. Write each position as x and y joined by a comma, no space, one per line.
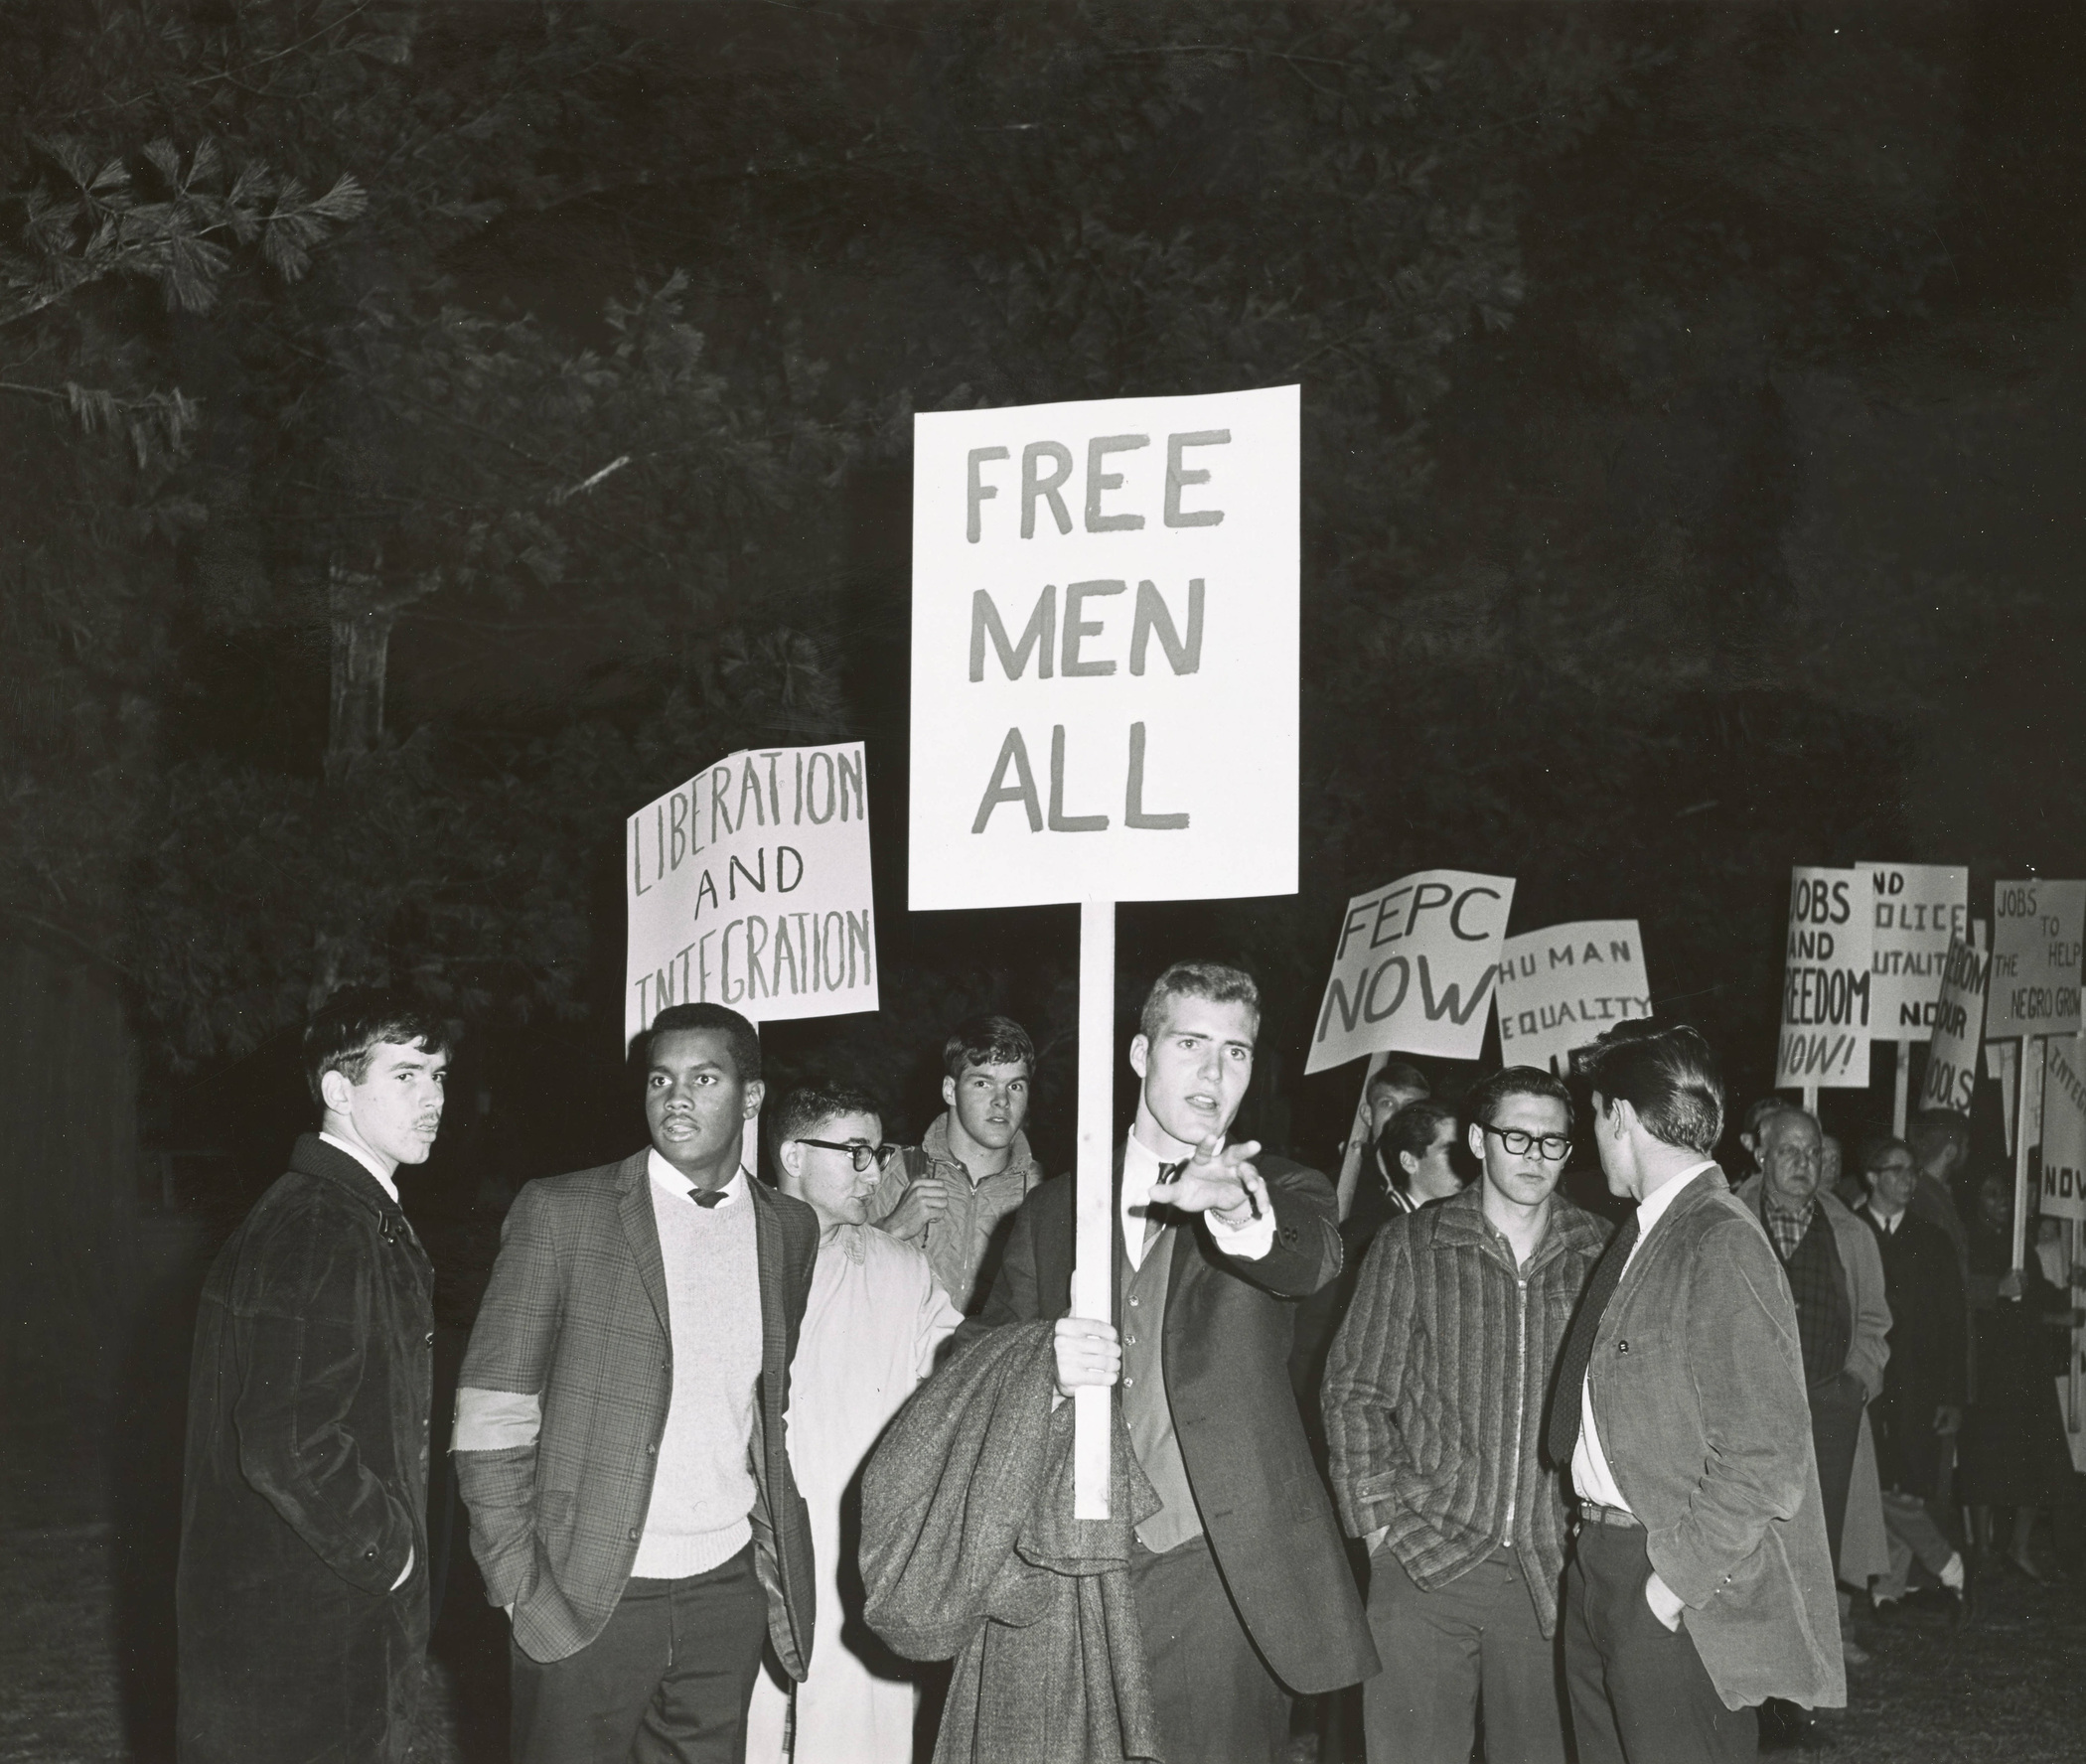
667,1681
1640,1693
1835,1430
1478,1636
1215,1698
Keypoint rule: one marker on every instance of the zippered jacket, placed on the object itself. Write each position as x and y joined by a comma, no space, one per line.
1435,1388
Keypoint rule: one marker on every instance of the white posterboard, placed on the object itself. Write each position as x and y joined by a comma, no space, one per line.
1959,1026
1824,1036
749,886
1560,988
2035,932
1413,969
2064,1127
1105,641
1918,908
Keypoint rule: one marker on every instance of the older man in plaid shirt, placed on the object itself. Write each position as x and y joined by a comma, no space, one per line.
1433,1413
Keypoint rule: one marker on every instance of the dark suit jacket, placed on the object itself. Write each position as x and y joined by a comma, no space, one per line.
1226,1347
1928,1353
576,1316
306,1488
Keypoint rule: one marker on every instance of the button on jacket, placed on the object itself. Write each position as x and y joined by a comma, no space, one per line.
1434,1391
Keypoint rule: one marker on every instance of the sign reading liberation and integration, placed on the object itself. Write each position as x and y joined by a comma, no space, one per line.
2064,1127
1105,650
1918,909
2035,932
1560,988
1959,1027
749,886
1826,980
1413,969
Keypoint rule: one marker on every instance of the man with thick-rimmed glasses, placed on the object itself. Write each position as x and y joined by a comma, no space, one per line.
875,1319
1433,1413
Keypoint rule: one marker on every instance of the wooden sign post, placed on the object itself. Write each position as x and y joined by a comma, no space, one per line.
1105,601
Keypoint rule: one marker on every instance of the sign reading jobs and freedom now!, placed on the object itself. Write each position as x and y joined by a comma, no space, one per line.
1413,969
749,886
1826,982
1105,650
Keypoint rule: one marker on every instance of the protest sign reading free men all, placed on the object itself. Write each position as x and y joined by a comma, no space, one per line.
1560,988
749,886
1105,650
1413,969
1826,980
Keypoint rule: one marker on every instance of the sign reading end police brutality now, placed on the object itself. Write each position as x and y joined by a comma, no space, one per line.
749,886
1105,650
1413,970
1826,979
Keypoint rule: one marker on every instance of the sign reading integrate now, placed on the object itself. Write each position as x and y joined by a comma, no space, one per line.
1105,650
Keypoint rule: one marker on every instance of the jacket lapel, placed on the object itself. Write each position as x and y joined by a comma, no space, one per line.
769,1251
643,1232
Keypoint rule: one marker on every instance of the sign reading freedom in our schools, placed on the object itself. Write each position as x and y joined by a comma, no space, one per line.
1105,650
1413,970
1918,908
1560,988
1959,1026
749,886
2035,932
1826,979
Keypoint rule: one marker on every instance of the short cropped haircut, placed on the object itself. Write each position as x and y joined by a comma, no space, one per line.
1932,1129
1875,1150
987,1041
1397,1076
355,1022
1667,1073
1413,1128
1483,1101
810,1107
738,1032
1212,980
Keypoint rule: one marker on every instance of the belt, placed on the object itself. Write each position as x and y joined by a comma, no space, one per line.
1593,1512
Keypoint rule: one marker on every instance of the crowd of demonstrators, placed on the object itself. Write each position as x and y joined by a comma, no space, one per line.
1596,1486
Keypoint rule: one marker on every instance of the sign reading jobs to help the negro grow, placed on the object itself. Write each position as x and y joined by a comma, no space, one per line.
1917,909
749,886
1560,988
1105,650
1826,982
2035,932
1413,969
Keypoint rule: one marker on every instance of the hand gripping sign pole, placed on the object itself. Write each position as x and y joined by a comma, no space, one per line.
1104,696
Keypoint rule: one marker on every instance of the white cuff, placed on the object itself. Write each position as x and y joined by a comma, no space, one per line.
1248,1241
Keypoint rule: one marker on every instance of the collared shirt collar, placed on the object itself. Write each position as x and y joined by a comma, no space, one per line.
1653,1207
935,1144
1889,1224
363,1158
678,1185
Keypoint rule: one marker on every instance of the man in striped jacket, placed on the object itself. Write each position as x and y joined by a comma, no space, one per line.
1433,1412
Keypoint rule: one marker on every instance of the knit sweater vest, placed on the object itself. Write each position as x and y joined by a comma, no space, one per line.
702,1489
1147,1415
1824,1319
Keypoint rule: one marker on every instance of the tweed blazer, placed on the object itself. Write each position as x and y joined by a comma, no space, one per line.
1225,1349
1698,1383
575,1319
1869,1302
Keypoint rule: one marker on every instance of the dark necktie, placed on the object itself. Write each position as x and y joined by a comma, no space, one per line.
1157,1218
706,1197
1578,1347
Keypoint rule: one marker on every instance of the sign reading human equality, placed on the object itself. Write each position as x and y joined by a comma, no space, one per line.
1560,988
1105,650
749,886
1413,969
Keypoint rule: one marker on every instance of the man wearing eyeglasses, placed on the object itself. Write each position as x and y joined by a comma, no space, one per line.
1433,1416
620,1429
875,1319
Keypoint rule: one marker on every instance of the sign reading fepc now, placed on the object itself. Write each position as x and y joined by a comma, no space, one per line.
1105,650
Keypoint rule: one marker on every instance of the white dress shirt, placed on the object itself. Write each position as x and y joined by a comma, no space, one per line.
1590,1474
1140,1173
678,1187
364,1159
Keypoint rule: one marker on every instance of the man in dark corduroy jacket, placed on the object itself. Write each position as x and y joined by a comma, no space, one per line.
1433,1413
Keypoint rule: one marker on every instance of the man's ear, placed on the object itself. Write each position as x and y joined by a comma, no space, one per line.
756,1093
1474,1137
949,1093
788,1157
336,1092
1139,1054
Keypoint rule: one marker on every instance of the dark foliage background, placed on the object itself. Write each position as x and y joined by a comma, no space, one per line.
430,431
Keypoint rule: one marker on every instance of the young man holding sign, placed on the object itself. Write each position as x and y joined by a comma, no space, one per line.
1242,1583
